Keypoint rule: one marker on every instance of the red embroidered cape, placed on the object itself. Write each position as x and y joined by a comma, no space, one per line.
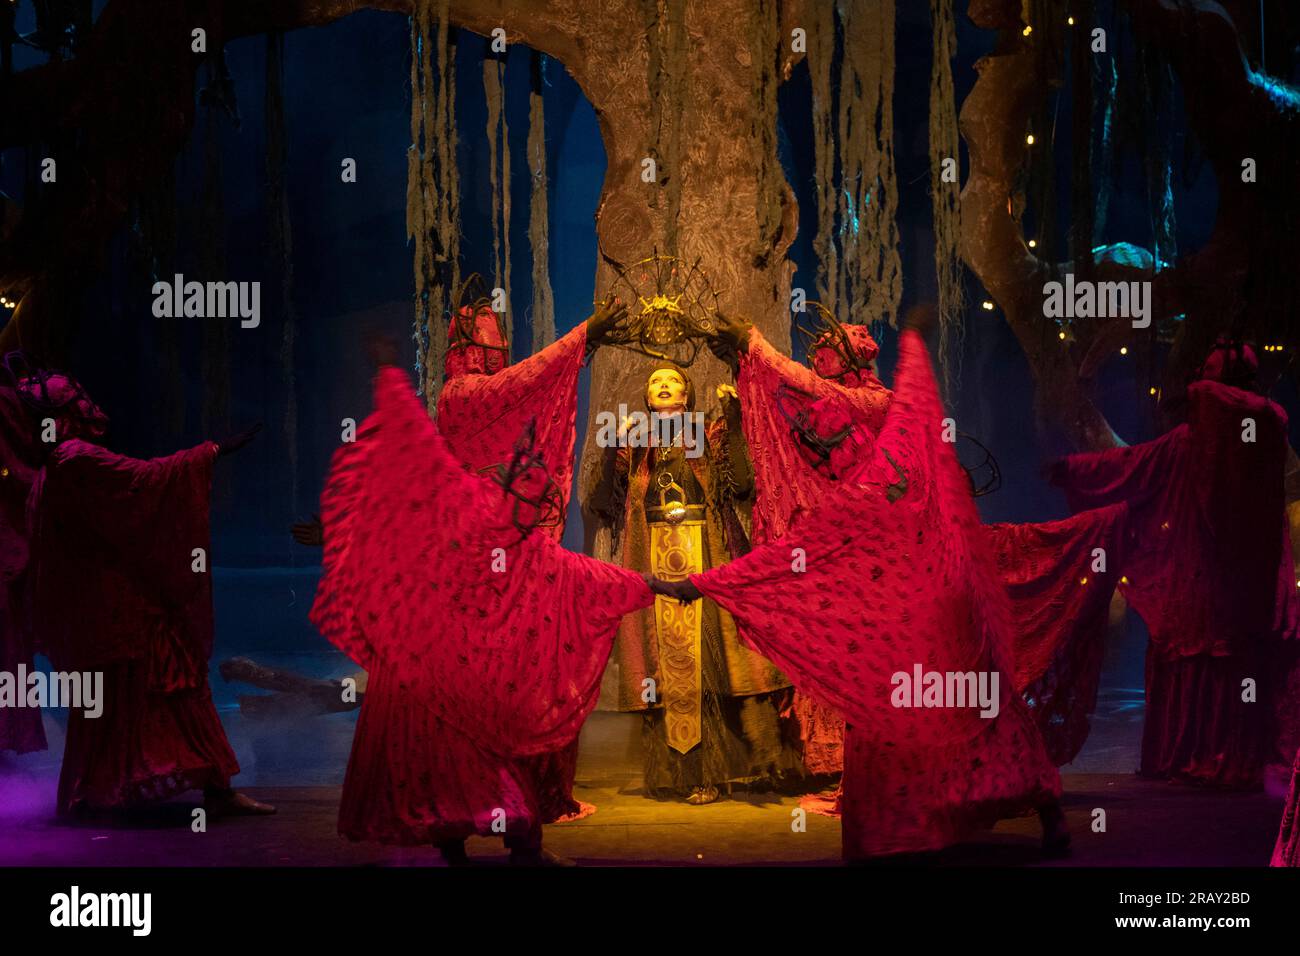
505,639
1060,623
482,416
886,586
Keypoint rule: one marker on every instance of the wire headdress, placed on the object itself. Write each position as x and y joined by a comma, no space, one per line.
824,331
671,309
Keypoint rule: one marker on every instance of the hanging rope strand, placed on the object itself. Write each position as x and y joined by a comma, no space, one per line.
945,198
538,210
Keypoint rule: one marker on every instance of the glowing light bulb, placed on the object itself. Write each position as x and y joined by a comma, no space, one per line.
1083,580
988,306
1153,389
1033,243
1029,140
1061,335
1027,30
1070,21
1123,579
1123,350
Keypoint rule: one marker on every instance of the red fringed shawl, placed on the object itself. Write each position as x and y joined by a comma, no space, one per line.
1209,565
505,639
785,484
482,416
1059,623
887,586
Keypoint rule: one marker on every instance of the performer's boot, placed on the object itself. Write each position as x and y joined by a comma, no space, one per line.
702,795
227,802
453,853
1056,834
527,851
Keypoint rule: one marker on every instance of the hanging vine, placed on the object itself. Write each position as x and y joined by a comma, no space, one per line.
945,198
538,209
870,283
821,55
498,139
432,188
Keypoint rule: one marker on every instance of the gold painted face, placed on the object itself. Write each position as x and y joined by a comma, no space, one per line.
665,391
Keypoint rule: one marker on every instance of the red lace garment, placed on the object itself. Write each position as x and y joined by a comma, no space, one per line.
414,550
1061,624
482,416
785,484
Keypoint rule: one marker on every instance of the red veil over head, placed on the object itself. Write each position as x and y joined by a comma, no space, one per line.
847,359
476,342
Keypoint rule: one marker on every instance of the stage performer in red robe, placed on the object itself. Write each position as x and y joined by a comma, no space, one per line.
115,589
881,593
804,426
807,426
1209,571
20,457
483,408
484,639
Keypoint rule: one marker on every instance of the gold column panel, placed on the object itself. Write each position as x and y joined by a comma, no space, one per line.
676,551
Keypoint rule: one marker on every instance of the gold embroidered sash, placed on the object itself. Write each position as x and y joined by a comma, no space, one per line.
676,551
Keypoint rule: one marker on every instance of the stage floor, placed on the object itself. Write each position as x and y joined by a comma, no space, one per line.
298,764
1147,824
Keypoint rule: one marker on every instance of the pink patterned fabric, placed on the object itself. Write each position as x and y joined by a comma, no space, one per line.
1060,624
484,407
96,519
482,416
889,586
863,613
510,658
785,485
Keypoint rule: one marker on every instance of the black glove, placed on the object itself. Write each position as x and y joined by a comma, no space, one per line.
232,443
310,533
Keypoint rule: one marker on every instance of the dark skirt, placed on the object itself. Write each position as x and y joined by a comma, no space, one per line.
1198,729
146,746
750,740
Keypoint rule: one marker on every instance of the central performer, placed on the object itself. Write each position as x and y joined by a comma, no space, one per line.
714,710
